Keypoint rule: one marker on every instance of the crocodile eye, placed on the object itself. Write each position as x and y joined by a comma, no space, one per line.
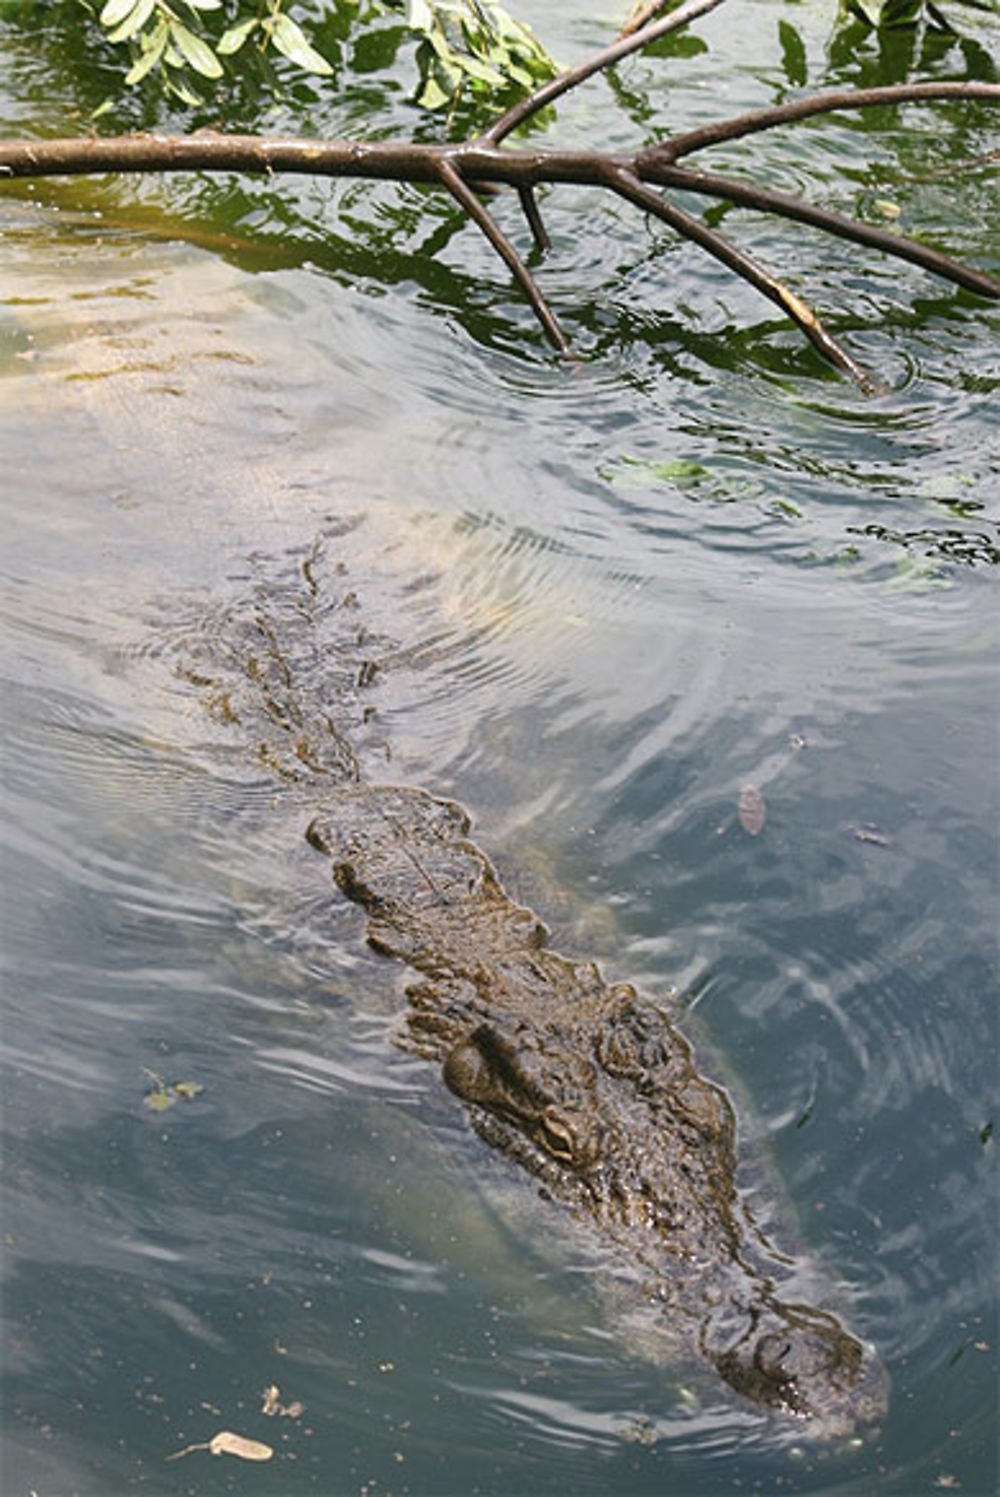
467,1074
558,1139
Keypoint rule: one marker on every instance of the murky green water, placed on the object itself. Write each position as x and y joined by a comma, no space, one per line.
623,592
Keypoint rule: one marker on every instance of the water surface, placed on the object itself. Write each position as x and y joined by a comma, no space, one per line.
622,593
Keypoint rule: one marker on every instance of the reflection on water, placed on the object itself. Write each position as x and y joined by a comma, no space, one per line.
623,596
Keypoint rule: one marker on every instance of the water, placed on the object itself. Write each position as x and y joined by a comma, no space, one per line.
693,563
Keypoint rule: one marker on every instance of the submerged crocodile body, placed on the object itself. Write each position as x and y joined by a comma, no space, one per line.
584,1084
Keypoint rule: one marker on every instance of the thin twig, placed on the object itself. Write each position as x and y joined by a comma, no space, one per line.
630,187
605,58
800,109
464,195
784,205
641,16
529,206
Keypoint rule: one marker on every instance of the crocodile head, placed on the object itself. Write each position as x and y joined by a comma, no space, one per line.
614,1120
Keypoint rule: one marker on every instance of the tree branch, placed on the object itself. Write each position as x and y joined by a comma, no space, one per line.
629,186
529,206
481,161
801,109
746,195
464,195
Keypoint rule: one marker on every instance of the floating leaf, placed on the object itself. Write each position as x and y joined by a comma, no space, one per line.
159,1101
187,1089
272,1405
226,1443
751,809
165,1094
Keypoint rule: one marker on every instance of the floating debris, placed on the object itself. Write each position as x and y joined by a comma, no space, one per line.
165,1093
272,1405
751,808
866,832
226,1443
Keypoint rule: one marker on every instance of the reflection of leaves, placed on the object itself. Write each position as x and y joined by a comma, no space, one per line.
226,1443
901,15
793,54
676,44
968,546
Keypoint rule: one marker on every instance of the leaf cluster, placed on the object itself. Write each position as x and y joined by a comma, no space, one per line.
472,47
464,48
183,42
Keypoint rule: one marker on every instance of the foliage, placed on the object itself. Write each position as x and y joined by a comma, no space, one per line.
463,47
473,45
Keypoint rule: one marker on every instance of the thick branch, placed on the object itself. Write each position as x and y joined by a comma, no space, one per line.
800,109
629,186
596,63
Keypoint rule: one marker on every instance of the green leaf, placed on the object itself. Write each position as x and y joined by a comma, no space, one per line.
481,71
133,22
153,48
420,17
232,40
115,12
203,4
288,38
432,95
195,52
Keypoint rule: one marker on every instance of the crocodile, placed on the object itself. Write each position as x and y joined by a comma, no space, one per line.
585,1084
